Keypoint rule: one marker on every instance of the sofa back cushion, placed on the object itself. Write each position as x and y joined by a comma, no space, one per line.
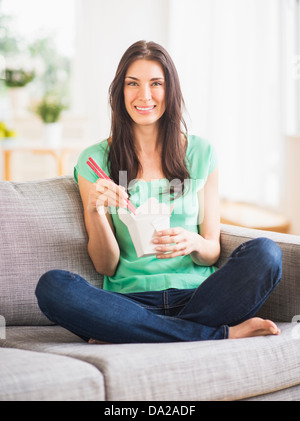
41,228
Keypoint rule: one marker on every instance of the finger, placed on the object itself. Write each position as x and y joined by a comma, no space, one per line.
169,255
169,232
168,239
104,185
171,248
110,198
111,194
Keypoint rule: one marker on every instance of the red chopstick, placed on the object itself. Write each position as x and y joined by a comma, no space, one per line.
97,169
101,174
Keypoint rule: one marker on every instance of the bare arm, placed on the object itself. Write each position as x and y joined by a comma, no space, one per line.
102,246
208,248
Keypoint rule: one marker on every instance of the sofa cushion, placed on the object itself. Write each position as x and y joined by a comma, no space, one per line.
42,228
290,394
34,376
205,370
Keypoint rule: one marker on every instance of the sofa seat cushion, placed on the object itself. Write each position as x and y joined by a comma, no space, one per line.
206,370
35,376
42,228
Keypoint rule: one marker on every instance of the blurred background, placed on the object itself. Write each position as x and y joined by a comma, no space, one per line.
239,66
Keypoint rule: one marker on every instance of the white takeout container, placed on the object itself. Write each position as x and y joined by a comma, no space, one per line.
150,217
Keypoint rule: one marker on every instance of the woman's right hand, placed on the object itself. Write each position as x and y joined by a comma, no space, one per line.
106,193
100,228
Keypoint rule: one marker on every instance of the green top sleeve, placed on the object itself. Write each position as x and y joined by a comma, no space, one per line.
99,153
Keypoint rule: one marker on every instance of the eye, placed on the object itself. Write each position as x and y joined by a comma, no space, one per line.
157,84
132,84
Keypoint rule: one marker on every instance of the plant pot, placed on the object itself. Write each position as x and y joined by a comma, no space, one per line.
53,134
19,101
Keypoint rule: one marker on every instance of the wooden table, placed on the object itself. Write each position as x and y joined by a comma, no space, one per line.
251,216
59,153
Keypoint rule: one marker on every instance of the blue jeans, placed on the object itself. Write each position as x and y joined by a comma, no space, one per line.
228,297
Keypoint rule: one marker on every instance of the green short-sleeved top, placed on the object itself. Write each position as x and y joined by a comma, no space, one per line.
147,273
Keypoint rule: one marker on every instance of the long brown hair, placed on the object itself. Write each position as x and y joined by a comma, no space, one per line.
122,155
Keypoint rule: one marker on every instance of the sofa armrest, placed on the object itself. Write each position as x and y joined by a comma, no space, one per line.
284,303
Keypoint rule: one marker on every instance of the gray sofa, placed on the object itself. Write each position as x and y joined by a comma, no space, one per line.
42,228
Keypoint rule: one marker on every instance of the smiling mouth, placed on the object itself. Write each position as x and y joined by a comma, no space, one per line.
145,108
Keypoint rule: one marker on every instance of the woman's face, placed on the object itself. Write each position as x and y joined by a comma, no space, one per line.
144,92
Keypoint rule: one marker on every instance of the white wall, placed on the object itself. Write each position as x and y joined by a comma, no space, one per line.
233,60
105,30
228,59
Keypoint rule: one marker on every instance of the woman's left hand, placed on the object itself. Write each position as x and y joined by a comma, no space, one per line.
175,242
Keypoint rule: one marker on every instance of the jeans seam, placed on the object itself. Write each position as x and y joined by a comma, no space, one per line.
191,297
178,305
166,302
151,307
240,249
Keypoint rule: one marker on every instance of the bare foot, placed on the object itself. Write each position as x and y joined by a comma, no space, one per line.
253,327
94,341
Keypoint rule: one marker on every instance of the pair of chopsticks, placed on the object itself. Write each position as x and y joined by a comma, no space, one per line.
101,174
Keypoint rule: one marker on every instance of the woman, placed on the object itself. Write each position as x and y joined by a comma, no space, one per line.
176,294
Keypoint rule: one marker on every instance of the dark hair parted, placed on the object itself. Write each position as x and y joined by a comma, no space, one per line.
122,155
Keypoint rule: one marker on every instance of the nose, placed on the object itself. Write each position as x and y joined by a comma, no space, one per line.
145,93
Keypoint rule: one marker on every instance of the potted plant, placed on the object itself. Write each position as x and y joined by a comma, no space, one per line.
49,110
18,78
16,81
